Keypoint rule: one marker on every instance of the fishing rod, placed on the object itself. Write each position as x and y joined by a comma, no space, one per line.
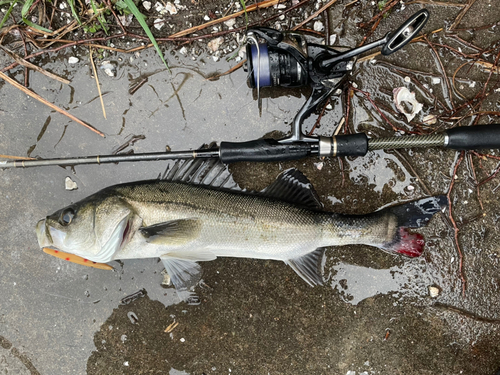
288,60
265,150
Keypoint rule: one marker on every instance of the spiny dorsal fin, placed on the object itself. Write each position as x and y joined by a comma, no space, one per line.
309,267
293,187
206,172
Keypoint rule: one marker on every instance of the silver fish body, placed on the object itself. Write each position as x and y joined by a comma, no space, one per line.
183,223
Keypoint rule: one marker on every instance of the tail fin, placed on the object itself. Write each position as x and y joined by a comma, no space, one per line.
413,215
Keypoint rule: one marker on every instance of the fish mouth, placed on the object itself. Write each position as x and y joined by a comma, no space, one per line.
43,235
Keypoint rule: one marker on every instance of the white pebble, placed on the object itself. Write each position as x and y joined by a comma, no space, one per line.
182,339
73,60
230,23
407,79
318,26
159,23
436,80
70,184
146,5
333,38
214,44
125,363
434,291
206,18
319,165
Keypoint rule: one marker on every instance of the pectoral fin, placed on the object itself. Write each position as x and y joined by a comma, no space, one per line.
175,232
309,267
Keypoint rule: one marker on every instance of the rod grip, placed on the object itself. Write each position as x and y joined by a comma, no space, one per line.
344,145
262,150
474,137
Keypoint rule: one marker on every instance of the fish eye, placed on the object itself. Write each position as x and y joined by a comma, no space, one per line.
66,216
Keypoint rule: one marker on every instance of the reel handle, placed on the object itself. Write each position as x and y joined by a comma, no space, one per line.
405,33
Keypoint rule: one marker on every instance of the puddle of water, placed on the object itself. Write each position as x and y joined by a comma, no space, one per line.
356,283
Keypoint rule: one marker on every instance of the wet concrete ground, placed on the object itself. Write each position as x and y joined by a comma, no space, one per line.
373,316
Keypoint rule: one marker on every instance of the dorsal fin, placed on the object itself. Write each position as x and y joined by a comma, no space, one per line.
293,187
207,172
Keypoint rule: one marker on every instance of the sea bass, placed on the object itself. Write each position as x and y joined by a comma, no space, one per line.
183,222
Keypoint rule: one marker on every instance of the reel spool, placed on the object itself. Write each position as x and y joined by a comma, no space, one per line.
276,59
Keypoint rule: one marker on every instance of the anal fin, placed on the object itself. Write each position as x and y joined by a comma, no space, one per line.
309,266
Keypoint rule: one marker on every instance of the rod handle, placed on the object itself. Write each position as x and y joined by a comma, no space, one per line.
262,150
344,145
474,137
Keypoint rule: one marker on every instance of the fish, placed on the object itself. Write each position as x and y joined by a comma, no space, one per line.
198,213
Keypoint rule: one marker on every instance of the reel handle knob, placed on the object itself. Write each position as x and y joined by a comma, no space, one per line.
405,33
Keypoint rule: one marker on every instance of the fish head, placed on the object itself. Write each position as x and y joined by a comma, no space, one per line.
94,229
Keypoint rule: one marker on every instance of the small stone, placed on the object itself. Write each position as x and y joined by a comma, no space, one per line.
146,5
318,26
183,51
70,184
171,8
166,280
407,79
429,119
230,23
214,44
182,339
73,60
333,38
434,291
206,18
125,363
109,68
159,23
319,165
436,80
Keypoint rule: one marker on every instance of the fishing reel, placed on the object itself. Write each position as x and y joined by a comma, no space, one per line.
276,59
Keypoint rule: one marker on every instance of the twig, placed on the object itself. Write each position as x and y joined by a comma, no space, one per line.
466,313
368,96
316,124
42,100
428,2
27,64
236,67
317,13
171,327
455,227
471,163
15,157
445,76
250,8
462,14
97,82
